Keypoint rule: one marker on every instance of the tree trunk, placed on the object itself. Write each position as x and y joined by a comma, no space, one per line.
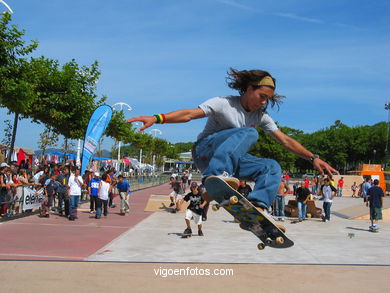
66,148
16,119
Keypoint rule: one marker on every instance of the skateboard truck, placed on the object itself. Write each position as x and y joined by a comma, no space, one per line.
232,200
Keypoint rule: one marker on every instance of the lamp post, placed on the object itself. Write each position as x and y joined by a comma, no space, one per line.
155,131
7,6
128,108
387,107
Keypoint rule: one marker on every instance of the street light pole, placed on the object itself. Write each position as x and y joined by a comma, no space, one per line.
128,107
387,107
7,6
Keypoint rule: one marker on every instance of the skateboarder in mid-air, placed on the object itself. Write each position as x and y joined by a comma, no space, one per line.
222,147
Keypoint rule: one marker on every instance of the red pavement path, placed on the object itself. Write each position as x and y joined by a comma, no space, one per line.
57,238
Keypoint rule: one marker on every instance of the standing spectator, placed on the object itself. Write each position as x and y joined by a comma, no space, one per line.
189,177
86,178
331,180
340,185
103,195
93,189
302,196
354,188
365,187
75,183
176,195
375,200
287,178
306,181
314,186
23,177
328,192
111,179
279,202
51,187
62,192
3,188
184,181
124,192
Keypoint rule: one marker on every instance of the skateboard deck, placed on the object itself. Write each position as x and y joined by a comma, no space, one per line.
246,213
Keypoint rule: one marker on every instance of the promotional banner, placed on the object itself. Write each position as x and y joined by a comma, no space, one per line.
31,199
96,127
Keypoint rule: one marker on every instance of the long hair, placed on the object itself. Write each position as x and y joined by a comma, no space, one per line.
241,79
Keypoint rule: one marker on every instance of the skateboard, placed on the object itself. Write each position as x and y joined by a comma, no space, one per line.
374,230
246,213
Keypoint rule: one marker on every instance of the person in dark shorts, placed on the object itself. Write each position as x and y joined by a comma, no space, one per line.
374,199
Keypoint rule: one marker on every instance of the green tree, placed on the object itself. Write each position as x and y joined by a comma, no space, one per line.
48,138
16,91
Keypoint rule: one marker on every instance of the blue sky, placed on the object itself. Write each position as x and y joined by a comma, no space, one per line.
331,58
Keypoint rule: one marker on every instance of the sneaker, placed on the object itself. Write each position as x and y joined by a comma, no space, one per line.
91,212
187,231
171,205
200,233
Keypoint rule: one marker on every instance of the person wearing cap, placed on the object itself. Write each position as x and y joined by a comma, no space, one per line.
194,209
222,147
93,190
124,192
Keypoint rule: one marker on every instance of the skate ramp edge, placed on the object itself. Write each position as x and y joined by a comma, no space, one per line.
160,203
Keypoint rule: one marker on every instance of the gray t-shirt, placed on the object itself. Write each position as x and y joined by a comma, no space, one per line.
227,112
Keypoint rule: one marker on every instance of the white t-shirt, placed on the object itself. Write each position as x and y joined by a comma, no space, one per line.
103,190
36,177
74,185
327,191
227,112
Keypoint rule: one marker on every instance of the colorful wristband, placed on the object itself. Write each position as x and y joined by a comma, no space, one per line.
160,118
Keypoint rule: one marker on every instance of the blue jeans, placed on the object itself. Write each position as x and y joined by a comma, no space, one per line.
279,206
326,207
226,151
339,191
101,204
74,203
302,208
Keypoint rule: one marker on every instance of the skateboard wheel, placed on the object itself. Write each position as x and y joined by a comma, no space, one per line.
260,246
215,207
279,240
268,241
233,199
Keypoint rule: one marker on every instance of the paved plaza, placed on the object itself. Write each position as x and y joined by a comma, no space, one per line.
149,242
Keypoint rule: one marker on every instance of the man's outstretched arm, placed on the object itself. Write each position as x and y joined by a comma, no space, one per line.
179,116
295,147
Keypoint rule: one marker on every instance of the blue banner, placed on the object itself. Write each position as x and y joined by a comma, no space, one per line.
96,127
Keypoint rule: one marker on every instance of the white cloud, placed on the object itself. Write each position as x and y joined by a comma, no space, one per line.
300,18
235,4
